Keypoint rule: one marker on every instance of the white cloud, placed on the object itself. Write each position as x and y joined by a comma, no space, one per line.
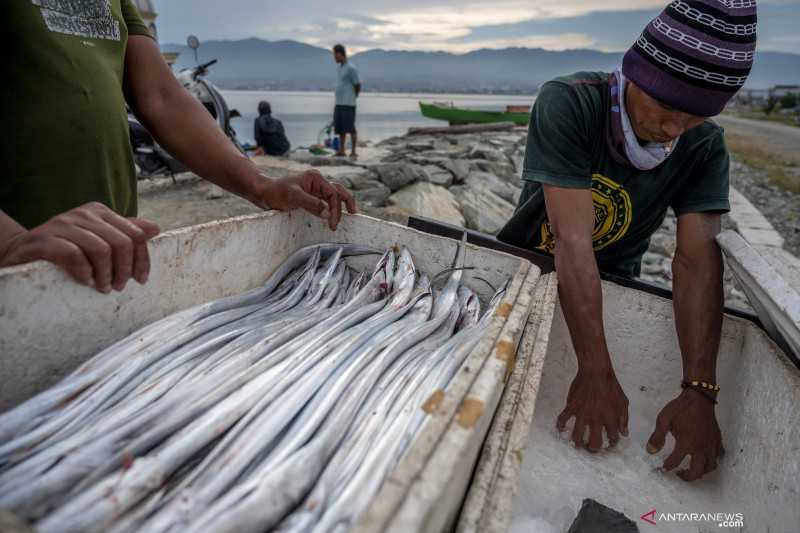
562,41
424,24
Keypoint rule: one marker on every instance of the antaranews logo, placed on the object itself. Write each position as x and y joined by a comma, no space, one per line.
720,519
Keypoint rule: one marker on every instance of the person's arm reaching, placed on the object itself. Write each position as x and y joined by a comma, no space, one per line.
186,130
595,398
698,301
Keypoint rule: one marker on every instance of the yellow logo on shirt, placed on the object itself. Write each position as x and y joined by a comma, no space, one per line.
612,215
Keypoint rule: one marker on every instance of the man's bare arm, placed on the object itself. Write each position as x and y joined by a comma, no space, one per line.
698,301
698,294
571,215
188,131
595,397
357,89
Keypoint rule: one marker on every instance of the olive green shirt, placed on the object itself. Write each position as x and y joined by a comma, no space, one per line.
66,138
567,148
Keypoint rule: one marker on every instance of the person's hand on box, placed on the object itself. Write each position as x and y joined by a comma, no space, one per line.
92,243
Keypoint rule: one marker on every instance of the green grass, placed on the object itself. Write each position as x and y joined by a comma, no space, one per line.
775,116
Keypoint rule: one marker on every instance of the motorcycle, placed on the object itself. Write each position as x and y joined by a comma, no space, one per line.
150,158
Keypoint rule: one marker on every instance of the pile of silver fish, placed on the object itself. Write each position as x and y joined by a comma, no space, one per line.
283,408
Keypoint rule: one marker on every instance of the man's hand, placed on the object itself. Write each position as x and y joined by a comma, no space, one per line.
309,191
596,400
92,243
691,420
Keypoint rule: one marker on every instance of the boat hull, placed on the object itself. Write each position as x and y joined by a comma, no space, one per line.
456,116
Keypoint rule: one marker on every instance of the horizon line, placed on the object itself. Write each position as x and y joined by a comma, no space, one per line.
433,51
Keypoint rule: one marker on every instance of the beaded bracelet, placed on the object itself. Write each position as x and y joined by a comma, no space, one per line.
703,388
702,385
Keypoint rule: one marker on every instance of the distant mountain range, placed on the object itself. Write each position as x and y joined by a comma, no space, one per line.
291,65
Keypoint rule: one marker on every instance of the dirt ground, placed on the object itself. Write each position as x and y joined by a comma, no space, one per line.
778,140
193,201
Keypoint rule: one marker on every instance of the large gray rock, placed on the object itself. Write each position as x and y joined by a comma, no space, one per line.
484,180
420,145
372,192
425,159
398,175
504,171
428,200
438,175
350,176
459,168
395,156
490,153
391,213
304,156
483,210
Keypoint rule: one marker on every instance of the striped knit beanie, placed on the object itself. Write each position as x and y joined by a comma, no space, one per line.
695,55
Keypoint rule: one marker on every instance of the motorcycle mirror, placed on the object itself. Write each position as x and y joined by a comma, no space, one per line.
235,113
194,43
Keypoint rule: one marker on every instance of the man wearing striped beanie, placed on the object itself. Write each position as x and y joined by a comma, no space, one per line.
607,155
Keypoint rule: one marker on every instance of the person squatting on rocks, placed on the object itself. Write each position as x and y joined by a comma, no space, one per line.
607,155
269,133
74,203
347,90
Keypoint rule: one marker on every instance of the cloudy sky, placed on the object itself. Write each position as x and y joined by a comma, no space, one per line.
449,25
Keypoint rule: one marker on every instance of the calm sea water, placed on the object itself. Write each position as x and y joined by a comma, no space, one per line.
379,115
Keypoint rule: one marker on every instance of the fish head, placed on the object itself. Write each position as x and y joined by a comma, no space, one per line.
406,271
470,311
422,309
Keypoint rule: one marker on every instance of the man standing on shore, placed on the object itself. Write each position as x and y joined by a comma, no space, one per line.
347,90
607,155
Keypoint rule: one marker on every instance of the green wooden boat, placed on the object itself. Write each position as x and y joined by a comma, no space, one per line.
517,114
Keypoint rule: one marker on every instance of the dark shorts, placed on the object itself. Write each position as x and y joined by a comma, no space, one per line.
344,119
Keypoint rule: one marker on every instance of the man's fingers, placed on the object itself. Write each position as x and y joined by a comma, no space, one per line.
141,263
595,437
312,204
141,255
623,421
561,421
149,228
696,468
612,430
674,458
97,250
66,255
578,432
659,436
345,195
121,249
335,206
331,196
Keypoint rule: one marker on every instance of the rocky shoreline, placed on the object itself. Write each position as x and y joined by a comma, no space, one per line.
470,180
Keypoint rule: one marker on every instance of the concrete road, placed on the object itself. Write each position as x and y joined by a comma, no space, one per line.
773,137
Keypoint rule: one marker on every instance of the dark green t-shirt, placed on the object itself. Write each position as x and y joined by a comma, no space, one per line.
66,138
567,148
